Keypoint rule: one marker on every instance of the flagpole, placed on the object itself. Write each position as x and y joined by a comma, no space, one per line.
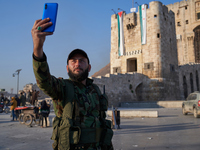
133,3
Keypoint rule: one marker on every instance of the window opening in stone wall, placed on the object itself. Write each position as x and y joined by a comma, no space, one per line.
178,23
158,35
197,44
197,80
177,12
191,83
148,66
172,68
116,70
132,65
186,21
198,15
155,16
129,26
185,7
185,87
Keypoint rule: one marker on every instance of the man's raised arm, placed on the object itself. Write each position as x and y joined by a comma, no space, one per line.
39,37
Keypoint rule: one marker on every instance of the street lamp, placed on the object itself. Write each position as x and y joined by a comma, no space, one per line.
17,73
121,9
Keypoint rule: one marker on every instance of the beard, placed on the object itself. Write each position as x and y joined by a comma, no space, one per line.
78,77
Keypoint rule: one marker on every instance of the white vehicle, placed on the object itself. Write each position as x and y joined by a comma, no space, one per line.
192,104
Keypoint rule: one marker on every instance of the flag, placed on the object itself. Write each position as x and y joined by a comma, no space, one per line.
120,33
143,23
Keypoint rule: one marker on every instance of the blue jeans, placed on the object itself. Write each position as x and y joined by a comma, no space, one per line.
13,115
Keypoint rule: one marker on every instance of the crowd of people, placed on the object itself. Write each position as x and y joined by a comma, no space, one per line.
30,97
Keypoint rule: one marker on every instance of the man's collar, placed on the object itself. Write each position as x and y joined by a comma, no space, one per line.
88,81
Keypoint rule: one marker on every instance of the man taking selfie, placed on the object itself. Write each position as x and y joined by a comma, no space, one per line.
78,103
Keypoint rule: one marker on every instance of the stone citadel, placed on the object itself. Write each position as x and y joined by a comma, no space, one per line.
167,66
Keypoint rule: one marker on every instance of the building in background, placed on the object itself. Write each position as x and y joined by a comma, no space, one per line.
155,53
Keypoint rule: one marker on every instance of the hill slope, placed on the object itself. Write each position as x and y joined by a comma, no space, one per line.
105,70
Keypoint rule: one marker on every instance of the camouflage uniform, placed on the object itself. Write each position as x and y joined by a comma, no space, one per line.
83,108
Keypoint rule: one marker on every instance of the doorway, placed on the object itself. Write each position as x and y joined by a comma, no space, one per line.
132,65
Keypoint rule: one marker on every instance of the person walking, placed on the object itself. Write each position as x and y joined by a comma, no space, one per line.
79,105
44,113
12,108
22,99
33,98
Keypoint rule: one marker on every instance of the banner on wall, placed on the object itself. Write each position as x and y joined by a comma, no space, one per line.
120,34
143,23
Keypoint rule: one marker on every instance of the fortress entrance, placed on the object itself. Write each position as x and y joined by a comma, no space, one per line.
197,44
132,65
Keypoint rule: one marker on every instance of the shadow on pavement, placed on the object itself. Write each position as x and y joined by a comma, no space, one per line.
156,128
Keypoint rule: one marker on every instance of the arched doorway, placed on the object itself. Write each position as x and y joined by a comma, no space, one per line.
191,83
139,92
197,44
197,80
185,87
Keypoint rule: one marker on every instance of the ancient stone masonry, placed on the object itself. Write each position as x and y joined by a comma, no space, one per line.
166,67
187,18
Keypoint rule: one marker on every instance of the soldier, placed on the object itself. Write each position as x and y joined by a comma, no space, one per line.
78,103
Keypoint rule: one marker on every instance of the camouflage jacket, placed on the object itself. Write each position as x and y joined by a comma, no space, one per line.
59,89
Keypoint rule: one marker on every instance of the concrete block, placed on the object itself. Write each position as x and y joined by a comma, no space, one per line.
136,113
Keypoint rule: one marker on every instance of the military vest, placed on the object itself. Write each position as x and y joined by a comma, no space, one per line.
83,118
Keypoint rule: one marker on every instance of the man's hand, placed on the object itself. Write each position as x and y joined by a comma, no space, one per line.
39,37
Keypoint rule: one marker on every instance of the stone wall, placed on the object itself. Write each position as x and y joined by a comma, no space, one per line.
186,21
136,87
189,79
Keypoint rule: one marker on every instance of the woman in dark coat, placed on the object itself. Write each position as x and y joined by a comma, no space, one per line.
44,112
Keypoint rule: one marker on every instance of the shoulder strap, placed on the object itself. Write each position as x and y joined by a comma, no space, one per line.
69,95
97,89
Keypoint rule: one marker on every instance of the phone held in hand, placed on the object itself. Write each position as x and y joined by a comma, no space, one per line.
50,11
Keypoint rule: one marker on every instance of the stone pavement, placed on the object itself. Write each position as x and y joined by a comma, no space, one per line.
171,130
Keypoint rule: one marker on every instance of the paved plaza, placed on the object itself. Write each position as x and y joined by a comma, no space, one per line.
171,130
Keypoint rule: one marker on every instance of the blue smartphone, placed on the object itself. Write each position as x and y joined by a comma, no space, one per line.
50,11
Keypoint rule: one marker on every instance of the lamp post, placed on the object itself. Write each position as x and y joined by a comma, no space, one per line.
17,73
121,9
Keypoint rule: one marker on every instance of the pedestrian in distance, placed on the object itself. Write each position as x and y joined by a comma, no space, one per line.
2,98
22,99
79,105
44,113
33,98
18,100
28,96
12,108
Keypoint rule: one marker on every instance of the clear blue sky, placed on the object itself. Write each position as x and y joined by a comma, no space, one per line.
81,24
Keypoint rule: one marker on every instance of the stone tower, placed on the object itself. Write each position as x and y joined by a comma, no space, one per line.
155,59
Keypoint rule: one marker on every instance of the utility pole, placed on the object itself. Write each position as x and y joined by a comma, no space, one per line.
17,73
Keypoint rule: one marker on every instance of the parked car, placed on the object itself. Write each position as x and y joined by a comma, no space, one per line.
192,104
